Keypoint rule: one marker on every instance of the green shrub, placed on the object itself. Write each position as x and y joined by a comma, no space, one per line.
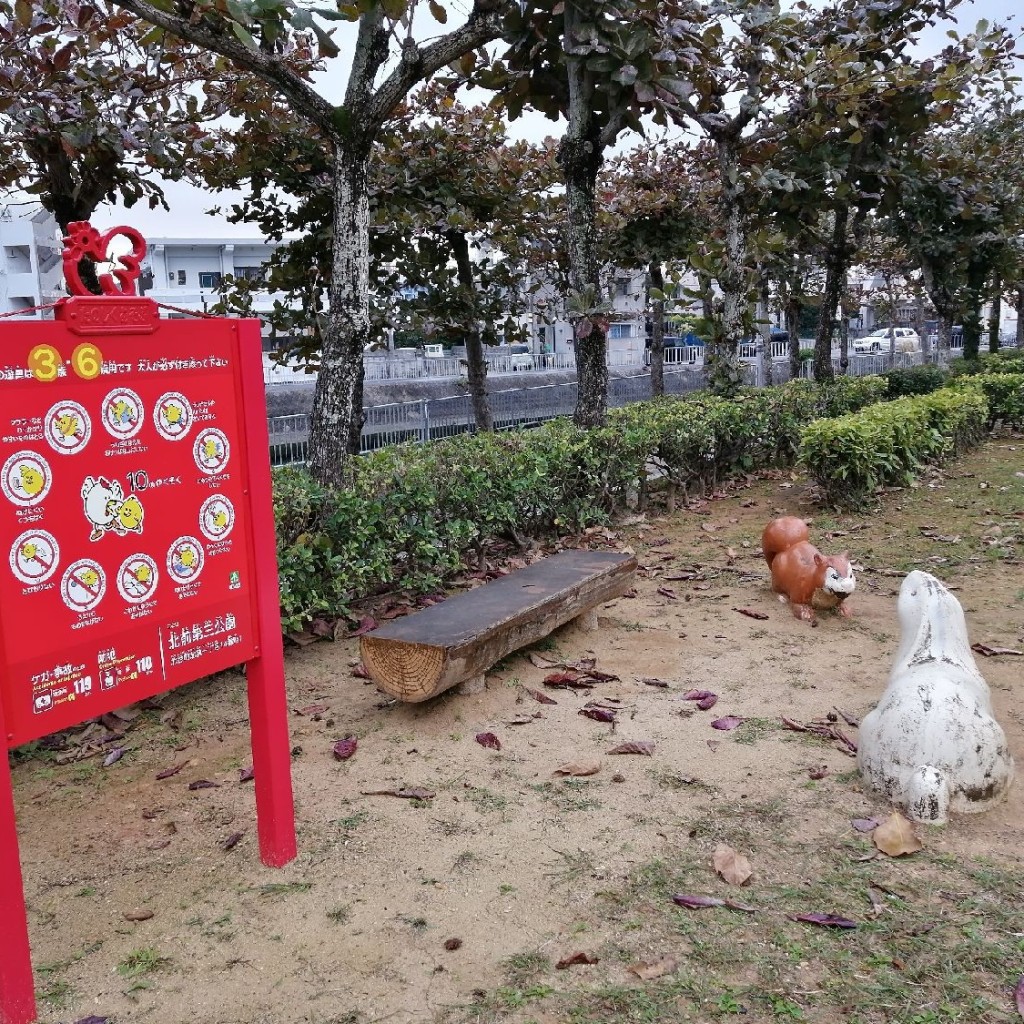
1004,392
915,380
886,444
1007,360
414,512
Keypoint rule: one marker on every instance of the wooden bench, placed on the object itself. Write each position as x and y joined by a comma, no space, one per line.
458,640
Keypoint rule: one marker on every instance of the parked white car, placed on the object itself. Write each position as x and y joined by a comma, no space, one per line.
520,357
907,340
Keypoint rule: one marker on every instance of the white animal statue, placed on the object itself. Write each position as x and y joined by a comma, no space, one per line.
932,744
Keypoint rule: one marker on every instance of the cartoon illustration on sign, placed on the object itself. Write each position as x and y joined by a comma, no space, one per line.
216,517
137,578
34,556
68,427
26,479
122,413
185,559
211,451
107,509
83,585
172,416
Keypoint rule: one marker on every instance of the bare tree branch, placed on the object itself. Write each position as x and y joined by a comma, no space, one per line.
418,64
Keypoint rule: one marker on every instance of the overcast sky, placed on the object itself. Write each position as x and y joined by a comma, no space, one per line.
187,216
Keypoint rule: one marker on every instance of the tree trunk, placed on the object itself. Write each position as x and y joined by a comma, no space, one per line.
579,154
766,334
793,327
944,300
996,313
337,418
835,276
722,365
977,275
1020,316
945,338
919,324
657,312
476,365
890,292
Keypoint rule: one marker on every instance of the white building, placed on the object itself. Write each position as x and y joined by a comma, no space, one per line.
31,272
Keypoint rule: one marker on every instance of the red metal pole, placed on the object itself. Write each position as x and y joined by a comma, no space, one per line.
17,993
268,699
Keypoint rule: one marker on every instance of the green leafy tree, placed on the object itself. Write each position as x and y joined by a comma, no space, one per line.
272,40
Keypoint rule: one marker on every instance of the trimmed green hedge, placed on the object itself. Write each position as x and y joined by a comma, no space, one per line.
1004,392
886,444
1009,360
414,512
915,380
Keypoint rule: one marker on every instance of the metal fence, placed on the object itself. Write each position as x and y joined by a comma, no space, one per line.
433,418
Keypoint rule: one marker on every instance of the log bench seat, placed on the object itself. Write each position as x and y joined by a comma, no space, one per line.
457,641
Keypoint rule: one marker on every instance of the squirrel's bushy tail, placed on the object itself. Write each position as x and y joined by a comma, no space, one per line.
780,534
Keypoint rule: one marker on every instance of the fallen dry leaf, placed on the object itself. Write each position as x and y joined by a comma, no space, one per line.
654,681
818,773
539,696
648,970
567,681
410,793
824,920
751,614
669,593
169,772
203,784
232,841
452,944
310,710
360,672
896,837
645,747
581,767
366,625
598,714
992,652
727,723
1019,996
489,740
574,959
345,748
137,915
246,774
731,866
542,663
865,824
701,902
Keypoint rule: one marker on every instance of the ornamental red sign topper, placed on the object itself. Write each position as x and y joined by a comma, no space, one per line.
136,523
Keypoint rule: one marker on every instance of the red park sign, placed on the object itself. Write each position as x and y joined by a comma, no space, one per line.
137,526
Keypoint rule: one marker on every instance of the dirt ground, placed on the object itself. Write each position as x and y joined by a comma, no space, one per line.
526,868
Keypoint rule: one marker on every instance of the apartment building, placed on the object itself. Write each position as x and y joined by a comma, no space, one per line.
31,271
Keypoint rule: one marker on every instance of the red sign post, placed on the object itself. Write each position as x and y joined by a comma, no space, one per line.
137,525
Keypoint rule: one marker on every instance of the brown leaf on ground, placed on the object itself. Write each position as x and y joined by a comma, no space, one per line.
669,593
993,652
169,772
410,793
542,663
896,837
574,959
654,681
539,696
731,866
818,773
345,748
1018,993
584,766
452,944
751,614
366,625
137,915
865,824
232,841
648,970
489,740
360,672
645,747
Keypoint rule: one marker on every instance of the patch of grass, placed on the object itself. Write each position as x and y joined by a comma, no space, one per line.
60,965
464,860
486,800
522,967
417,924
141,962
754,729
568,795
574,866
353,821
341,914
57,994
278,890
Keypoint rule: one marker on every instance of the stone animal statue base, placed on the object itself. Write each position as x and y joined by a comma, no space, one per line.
801,574
932,745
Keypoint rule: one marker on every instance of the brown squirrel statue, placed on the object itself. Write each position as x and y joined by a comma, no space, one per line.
801,574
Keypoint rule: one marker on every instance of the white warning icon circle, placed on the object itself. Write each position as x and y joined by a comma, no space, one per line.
83,585
137,578
122,413
35,556
26,479
211,451
185,559
216,517
67,427
172,416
